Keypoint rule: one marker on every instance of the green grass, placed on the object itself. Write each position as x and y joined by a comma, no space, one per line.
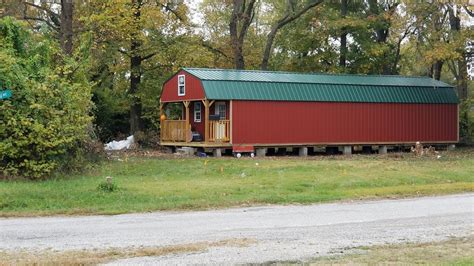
148,184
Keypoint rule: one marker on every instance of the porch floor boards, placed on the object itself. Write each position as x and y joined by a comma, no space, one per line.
197,144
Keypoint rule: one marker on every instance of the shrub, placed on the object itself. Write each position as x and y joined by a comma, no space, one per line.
46,121
107,185
466,121
149,139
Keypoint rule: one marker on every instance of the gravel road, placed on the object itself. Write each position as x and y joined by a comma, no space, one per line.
292,232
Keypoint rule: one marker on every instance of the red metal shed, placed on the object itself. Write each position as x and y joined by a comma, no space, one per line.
264,108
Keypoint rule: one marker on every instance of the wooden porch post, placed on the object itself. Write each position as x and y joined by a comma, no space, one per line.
230,121
186,128
207,105
162,107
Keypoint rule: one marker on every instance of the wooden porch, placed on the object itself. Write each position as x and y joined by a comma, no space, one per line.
178,132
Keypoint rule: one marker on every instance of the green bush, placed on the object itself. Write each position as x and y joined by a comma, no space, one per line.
107,186
46,121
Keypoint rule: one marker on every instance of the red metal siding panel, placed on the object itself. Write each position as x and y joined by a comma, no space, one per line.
197,126
271,122
193,86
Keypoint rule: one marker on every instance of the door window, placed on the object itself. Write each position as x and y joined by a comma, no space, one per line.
221,110
197,112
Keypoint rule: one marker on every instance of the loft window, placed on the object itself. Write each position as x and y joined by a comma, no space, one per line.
181,85
197,112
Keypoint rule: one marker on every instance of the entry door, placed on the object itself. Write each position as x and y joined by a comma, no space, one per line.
220,109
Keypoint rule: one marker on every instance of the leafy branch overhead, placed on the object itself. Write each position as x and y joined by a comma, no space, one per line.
292,12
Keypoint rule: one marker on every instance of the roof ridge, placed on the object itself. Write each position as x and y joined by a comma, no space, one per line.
306,73
331,83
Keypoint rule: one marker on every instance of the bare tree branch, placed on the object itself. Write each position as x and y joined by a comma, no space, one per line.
469,12
148,56
213,49
51,13
172,11
122,51
42,20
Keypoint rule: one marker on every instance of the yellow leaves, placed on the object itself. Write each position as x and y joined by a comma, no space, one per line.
442,51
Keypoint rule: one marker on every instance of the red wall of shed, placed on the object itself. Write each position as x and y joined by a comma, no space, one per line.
193,89
199,126
271,122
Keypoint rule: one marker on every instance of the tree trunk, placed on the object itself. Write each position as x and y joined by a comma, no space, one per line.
236,43
462,76
268,47
343,48
239,61
242,15
135,72
462,81
135,79
66,29
437,69
382,30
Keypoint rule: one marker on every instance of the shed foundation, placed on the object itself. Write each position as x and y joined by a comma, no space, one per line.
217,152
261,152
347,150
303,151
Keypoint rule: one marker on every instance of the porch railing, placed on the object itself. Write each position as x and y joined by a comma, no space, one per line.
173,130
219,131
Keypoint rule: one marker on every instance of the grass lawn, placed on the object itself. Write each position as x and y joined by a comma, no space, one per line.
167,183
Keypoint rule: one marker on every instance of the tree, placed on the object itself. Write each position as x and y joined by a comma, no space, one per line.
381,26
293,11
61,22
459,72
343,45
46,123
135,68
136,31
242,15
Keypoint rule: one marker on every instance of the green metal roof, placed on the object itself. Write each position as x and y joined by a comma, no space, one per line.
220,84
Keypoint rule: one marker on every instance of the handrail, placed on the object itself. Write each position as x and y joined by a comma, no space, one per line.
219,131
173,130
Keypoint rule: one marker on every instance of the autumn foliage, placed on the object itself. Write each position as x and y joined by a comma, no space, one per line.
43,124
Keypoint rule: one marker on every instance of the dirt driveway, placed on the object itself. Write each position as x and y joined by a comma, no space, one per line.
272,233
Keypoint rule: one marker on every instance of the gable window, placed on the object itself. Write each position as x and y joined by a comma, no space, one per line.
220,110
197,112
181,85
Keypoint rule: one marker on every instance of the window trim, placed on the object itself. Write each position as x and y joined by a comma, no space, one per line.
197,111
183,84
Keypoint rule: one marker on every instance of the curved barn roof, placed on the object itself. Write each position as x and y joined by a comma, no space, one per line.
224,84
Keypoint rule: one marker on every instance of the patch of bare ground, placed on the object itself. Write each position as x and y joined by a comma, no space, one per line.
456,251
97,256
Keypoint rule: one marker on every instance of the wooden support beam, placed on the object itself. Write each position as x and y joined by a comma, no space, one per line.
187,126
230,121
207,104
162,107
